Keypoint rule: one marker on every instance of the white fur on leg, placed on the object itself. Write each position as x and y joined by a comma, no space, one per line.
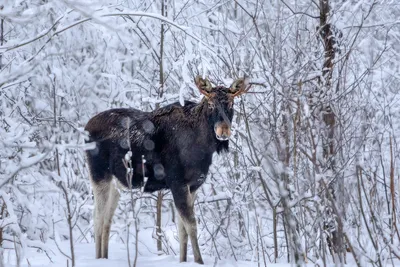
106,199
100,192
183,239
108,211
97,236
190,229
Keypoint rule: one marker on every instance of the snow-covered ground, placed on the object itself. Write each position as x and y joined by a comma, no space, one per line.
85,254
118,257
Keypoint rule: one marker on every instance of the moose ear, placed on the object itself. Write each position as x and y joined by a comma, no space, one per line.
240,86
204,85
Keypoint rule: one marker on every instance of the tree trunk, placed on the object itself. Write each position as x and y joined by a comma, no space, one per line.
160,94
158,221
329,119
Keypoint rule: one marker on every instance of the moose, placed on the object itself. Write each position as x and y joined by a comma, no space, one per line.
177,143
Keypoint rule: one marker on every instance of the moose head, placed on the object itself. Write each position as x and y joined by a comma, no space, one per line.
220,102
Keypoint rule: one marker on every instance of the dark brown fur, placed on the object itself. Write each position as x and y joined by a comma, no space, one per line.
177,143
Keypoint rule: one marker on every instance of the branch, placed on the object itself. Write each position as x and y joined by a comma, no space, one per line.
24,166
133,14
44,33
299,13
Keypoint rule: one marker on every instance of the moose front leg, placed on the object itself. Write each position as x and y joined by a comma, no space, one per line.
184,203
183,240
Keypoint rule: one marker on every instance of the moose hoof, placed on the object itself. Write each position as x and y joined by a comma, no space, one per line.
199,261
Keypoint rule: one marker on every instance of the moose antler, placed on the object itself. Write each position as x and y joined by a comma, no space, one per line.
239,87
204,86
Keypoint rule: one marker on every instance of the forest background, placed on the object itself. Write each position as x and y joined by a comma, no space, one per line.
313,170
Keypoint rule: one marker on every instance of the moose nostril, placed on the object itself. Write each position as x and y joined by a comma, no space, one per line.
222,131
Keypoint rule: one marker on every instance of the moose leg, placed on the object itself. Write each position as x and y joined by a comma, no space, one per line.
100,197
109,209
106,199
192,232
183,240
184,202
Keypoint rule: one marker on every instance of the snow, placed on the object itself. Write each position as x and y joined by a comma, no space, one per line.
106,54
85,257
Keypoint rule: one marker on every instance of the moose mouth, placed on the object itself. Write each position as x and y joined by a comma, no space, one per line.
222,138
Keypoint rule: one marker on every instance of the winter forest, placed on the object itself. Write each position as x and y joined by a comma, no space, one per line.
313,172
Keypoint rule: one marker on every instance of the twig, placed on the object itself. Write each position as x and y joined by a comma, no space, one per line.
24,166
69,219
339,221
133,14
299,13
58,247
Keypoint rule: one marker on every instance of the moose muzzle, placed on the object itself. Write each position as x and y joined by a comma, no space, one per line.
222,131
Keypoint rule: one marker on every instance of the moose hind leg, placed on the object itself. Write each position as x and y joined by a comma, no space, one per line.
100,198
106,199
108,213
184,202
98,226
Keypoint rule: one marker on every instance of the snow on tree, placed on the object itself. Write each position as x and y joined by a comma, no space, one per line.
312,173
